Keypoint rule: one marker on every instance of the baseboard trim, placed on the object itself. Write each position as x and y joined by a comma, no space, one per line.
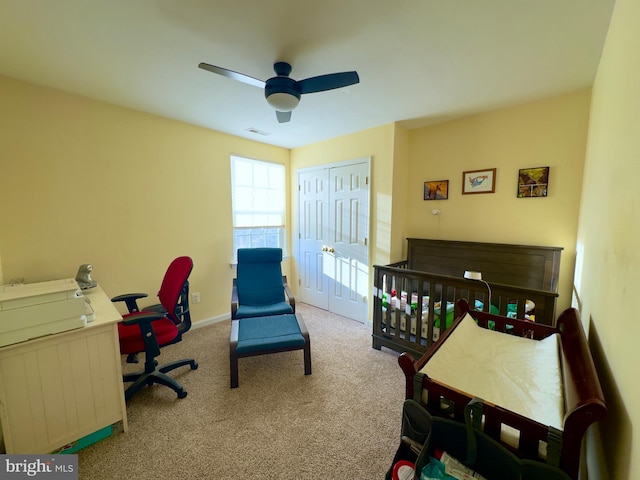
210,321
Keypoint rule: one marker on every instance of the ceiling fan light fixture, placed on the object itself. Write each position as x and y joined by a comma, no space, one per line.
283,92
283,101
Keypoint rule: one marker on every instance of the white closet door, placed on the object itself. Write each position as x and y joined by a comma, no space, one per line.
334,230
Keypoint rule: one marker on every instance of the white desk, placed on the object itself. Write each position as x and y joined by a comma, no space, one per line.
59,388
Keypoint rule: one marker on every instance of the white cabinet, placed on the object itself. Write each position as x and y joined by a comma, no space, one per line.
59,388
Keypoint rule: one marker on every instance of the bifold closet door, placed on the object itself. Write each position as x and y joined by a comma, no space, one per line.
333,238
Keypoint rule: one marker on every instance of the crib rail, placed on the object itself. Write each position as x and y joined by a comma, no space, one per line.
412,308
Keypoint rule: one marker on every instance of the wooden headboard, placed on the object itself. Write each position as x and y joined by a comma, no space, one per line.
525,266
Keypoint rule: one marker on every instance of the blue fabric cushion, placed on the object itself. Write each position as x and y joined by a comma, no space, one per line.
259,255
245,311
259,276
264,333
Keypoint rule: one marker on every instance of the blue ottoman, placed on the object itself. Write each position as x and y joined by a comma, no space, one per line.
263,335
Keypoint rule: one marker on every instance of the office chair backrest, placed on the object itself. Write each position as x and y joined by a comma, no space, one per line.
259,276
174,291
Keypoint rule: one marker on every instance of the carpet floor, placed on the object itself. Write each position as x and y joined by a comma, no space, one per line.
341,422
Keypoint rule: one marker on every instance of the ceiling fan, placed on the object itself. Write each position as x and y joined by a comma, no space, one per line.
283,92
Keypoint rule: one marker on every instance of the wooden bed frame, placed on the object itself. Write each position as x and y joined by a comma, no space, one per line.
435,268
583,397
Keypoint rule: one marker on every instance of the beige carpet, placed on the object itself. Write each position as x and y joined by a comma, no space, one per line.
341,422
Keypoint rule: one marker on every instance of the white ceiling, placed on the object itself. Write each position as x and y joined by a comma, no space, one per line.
419,61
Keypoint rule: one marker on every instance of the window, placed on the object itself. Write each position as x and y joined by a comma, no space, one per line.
258,202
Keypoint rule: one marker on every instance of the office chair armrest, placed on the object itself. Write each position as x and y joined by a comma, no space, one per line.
144,321
234,299
142,318
289,293
130,299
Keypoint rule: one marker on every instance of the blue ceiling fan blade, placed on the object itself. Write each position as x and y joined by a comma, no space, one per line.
328,82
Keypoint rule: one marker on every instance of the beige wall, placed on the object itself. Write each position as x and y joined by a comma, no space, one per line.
550,132
402,206
87,182
84,181
607,277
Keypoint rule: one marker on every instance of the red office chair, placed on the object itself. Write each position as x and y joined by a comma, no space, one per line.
157,326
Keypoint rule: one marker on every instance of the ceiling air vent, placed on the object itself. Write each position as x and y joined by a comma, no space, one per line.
258,132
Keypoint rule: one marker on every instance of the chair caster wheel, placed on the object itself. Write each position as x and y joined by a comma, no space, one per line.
182,394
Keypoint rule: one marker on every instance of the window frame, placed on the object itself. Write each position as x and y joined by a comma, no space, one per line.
261,226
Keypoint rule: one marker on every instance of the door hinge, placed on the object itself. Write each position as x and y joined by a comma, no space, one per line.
366,180
364,241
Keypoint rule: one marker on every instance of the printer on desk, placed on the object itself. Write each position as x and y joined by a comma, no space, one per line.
32,310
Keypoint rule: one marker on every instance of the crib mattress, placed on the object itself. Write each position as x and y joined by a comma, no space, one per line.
519,374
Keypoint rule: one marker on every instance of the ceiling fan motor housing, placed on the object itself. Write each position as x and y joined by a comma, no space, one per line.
282,93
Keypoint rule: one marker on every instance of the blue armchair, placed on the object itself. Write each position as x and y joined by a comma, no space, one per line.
259,288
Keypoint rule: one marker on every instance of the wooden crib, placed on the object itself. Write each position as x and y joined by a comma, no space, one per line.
411,296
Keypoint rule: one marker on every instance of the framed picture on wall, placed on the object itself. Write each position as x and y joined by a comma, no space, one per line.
479,181
436,190
533,182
